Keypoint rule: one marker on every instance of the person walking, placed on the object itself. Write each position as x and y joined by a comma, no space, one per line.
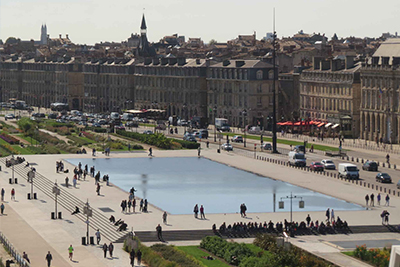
2,194
139,257
198,151
133,205
372,197
159,232
202,216
150,152
387,158
105,248
383,216
308,220
387,200
111,249
378,199
327,214
141,204
132,257
387,218
66,181
71,252
98,236
2,208
332,215
129,205
49,258
98,189
196,210
13,194
75,181
164,216
366,199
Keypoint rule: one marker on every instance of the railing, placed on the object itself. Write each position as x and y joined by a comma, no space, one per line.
13,252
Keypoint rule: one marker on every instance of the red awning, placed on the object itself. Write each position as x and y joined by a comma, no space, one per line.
322,123
297,123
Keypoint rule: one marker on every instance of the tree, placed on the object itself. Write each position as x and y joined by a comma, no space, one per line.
12,40
212,42
26,125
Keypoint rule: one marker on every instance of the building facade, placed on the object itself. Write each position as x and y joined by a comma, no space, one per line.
240,91
331,92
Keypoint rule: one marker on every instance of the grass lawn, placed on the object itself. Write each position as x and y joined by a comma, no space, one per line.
348,253
288,142
147,125
27,138
18,148
196,252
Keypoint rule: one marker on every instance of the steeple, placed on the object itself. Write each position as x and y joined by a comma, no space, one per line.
143,27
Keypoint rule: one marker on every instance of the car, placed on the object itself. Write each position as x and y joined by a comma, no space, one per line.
10,116
316,166
383,178
266,146
96,125
132,124
61,121
83,123
120,127
147,132
52,116
204,133
227,147
300,148
328,164
190,138
237,139
370,166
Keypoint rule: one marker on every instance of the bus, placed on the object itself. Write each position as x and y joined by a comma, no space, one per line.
59,106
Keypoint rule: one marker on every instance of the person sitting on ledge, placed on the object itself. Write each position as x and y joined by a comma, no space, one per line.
76,211
123,227
112,219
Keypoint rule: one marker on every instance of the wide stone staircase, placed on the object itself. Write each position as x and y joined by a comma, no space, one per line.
68,201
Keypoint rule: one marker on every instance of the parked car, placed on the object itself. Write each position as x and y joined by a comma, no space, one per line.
52,116
300,149
384,178
370,166
266,146
96,125
237,139
83,123
132,124
10,116
227,147
190,138
148,132
328,164
120,127
316,166
203,133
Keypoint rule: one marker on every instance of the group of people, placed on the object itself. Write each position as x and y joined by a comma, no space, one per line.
138,256
107,151
370,199
122,226
81,151
14,161
109,248
60,167
196,212
243,210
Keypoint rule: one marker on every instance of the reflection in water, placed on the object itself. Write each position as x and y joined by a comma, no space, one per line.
177,184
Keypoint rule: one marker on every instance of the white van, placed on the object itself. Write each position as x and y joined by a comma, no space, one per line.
127,116
297,159
348,170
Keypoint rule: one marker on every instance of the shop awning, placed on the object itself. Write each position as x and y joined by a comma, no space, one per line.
134,111
321,124
329,124
334,126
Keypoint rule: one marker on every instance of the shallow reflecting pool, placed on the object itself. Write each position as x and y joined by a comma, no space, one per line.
177,184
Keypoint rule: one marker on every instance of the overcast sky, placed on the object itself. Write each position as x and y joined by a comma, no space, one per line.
91,21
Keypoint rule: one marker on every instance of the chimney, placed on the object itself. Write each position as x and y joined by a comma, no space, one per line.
226,63
349,62
197,61
208,62
147,61
60,35
396,61
156,61
164,61
325,65
239,63
66,36
316,62
385,61
181,61
172,61
375,61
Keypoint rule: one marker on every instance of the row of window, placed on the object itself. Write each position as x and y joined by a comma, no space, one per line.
327,89
107,79
325,104
166,96
327,76
164,83
378,82
374,99
168,71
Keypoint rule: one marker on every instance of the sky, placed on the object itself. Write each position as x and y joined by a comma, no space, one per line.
92,21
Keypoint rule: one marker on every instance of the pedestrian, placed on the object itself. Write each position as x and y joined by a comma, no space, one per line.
366,199
159,232
141,205
13,194
387,158
2,208
387,200
139,257
134,205
66,181
2,194
244,210
98,189
308,220
327,214
98,236
111,249
25,257
145,205
378,198
129,205
94,152
383,215
198,151
164,216
132,257
241,210
196,210
71,252
48,258
387,217
150,152
332,215
208,144
105,248
372,197
129,147
202,216
74,181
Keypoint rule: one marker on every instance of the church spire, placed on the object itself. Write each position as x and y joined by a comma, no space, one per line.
143,27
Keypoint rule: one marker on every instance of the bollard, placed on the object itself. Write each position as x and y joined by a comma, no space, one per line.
372,187
83,240
331,174
334,175
383,164
348,158
352,158
378,163
389,165
357,182
59,215
384,190
357,160
362,160
53,215
394,166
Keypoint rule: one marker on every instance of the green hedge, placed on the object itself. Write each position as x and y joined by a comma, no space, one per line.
150,257
158,139
187,144
172,254
79,141
96,129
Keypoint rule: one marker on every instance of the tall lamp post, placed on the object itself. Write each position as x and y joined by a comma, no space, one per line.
244,113
88,212
56,192
215,126
185,116
31,176
274,140
291,197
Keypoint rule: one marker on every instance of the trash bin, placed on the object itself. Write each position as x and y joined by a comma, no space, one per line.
29,195
92,240
218,150
59,215
10,180
53,215
83,240
34,196
16,181
0,168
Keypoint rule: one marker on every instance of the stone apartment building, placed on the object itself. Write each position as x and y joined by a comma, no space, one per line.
176,85
380,79
331,92
241,91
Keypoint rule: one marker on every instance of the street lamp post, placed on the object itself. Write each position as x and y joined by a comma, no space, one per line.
31,176
244,113
56,192
274,140
215,126
291,197
88,212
